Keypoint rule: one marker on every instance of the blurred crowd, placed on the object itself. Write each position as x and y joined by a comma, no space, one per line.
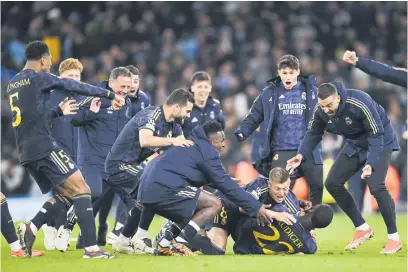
238,43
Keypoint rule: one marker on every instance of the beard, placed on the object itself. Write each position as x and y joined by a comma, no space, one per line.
179,120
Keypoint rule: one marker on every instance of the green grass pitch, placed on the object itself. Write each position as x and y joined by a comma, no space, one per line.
330,256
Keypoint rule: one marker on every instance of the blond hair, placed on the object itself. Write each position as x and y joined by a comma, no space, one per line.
70,64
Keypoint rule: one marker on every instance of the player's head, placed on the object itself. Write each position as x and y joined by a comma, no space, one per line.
278,184
180,102
201,86
288,70
215,133
135,80
328,98
320,217
39,53
120,80
71,68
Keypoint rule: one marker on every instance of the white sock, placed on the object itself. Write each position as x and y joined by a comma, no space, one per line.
194,225
118,226
123,239
364,226
15,246
33,228
394,236
92,248
181,240
141,234
164,243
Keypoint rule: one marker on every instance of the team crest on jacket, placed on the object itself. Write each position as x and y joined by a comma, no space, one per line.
276,157
303,96
212,115
348,121
170,134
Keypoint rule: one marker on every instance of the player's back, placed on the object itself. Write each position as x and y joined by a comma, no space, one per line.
31,116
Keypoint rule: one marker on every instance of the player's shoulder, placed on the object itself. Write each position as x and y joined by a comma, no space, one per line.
358,101
143,96
257,187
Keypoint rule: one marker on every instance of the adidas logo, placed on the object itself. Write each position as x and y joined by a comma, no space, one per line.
282,96
329,122
194,120
270,99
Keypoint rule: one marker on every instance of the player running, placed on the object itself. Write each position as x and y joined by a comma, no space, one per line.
49,165
370,141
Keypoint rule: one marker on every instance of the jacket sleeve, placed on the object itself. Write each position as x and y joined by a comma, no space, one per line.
55,112
314,133
48,81
370,117
251,121
84,115
216,174
383,71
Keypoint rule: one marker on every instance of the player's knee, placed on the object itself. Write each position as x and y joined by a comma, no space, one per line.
376,190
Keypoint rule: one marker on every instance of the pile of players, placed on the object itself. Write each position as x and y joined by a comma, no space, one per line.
87,143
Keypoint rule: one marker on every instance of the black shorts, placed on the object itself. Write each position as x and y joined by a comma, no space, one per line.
227,217
178,205
126,182
52,170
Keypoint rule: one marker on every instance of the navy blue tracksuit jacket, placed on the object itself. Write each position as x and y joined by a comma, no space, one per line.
383,71
360,120
263,112
198,116
98,131
196,166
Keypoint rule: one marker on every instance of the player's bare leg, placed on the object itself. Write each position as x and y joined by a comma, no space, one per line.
218,237
208,206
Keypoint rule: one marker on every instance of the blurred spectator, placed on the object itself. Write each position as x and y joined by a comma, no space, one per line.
237,43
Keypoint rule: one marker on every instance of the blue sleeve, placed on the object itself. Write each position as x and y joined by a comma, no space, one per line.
314,133
221,118
383,71
216,174
83,117
48,81
251,121
370,117
55,112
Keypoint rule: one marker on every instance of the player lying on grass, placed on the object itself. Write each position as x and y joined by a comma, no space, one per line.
252,237
169,187
9,233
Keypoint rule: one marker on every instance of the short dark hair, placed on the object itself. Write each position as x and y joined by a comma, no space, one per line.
180,97
211,127
133,69
288,61
36,50
325,90
278,174
200,76
119,71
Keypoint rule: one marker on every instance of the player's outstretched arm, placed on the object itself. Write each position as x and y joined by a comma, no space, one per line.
216,174
376,69
48,81
252,120
148,140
